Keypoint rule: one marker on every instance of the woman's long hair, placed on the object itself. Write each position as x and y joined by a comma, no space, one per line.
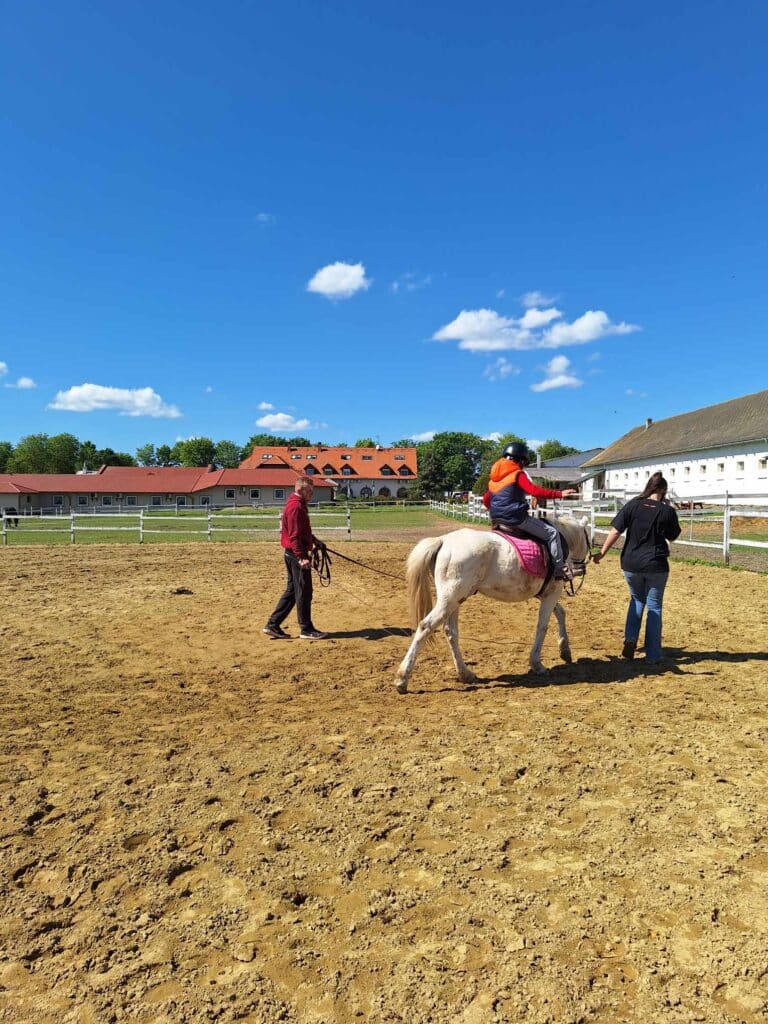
656,485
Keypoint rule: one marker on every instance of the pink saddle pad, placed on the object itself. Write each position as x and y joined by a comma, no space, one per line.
529,553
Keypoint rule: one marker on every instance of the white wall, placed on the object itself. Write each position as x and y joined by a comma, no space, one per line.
739,469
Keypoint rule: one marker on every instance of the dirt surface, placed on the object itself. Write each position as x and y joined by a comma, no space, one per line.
198,823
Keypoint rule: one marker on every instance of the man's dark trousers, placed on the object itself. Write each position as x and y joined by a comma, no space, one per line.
298,592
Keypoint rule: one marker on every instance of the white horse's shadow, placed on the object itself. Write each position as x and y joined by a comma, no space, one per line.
467,562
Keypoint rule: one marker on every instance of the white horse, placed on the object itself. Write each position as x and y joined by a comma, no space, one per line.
467,562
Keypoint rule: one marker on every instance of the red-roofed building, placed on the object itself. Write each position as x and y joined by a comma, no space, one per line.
358,472
151,487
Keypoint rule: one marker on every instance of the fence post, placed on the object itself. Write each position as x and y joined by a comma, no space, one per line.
141,526
592,523
727,531
71,527
210,524
5,529
349,524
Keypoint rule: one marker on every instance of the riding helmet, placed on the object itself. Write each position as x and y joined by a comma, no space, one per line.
519,452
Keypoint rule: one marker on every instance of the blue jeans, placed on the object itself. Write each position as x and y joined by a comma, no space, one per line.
646,592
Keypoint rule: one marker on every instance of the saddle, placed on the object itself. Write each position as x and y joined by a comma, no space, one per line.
542,559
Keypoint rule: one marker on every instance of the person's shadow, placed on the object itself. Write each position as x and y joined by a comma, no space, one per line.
371,633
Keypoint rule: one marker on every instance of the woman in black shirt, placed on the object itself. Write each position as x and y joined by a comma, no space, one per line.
649,523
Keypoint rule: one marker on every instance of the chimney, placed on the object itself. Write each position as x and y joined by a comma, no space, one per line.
648,422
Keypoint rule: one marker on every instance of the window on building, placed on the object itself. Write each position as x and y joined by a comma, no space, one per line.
402,492
255,493
329,470
367,458
205,500
762,464
404,471
266,455
279,492
387,471
672,472
366,492
106,499
229,493
310,470
130,499
703,469
740,467
58,500
181,500
346,457
157,500
721,469
311,456
295,456
385,492
626,477
82,499
347,470
399,458
686,472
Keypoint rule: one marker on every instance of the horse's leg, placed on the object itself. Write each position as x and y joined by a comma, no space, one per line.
451,628
426,627
548,604
565,647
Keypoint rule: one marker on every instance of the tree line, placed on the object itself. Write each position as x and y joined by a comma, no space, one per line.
452,461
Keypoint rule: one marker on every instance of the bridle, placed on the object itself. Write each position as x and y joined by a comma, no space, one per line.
579,570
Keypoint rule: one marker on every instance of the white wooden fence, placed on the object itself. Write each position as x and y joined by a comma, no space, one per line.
712,509
146,524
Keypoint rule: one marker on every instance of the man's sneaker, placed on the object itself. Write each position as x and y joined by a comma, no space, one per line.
276,633
628,650
312,634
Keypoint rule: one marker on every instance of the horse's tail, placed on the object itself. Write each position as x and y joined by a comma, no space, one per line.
418,568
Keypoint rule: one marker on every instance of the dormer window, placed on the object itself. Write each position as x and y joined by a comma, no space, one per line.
329,470
387,471
404,471
347,470
310,470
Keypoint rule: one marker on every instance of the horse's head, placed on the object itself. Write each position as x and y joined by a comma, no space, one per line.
578,535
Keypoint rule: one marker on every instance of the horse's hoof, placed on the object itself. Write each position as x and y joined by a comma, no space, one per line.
566,656
401,686
469,678
539,669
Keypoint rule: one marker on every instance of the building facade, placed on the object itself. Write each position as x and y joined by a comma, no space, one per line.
703,454
355,472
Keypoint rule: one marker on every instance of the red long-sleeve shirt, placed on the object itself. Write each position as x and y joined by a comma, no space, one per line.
295,530
525,483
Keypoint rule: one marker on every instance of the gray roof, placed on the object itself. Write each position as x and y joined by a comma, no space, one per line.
571,461
736,422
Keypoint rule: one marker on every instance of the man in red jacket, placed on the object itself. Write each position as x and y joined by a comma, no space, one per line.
298,542
506,502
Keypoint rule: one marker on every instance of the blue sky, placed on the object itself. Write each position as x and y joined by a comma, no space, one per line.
355,218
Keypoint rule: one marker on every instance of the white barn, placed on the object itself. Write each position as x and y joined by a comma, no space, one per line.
703,454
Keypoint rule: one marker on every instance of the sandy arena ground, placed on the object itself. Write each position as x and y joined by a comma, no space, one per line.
198,824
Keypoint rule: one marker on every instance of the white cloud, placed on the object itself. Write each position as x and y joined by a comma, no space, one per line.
557,376
3,369
495,435
265,219
25,383
126,401
588,327
277,421
500,369
427,435
500,293
264,406
410,282
531,299
209,390
484,330
534,443
339,280
533,318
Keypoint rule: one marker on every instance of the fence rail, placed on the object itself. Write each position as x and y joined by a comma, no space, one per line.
717,512
145,524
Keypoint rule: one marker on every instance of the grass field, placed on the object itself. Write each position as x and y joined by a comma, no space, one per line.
227,525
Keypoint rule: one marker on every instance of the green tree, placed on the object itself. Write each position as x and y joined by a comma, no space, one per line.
365,442
451,461
109,457
5,453
263,441
496,451
404,442
146,455
87,456
195,451
39,453
554,449
164,455
227,455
